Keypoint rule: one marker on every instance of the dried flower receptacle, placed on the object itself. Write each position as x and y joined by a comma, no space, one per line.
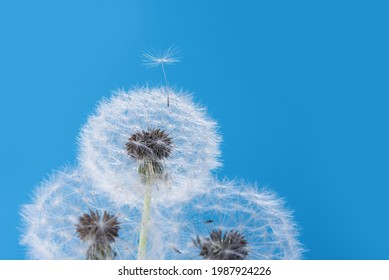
100,232
220,245
153,144
149,148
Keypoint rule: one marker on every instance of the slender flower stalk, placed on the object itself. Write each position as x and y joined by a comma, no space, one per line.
145,223
148,148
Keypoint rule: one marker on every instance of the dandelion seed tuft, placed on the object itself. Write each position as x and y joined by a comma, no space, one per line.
100,232
230,245
153,144
237,221
98,229
154,58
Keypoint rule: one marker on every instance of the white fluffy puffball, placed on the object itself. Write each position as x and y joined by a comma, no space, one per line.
68,219
132,125
236,221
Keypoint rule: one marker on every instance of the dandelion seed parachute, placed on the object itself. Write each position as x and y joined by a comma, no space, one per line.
69,219
154,58
237,221
193,145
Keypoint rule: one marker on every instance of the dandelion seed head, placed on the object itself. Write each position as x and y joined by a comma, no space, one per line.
237,221
85,223
131,127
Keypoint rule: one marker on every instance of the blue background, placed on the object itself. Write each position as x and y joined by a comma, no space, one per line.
299,88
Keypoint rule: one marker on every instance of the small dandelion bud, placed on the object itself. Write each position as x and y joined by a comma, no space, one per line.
100,232
229,245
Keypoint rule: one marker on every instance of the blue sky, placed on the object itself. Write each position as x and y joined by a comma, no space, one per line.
299,89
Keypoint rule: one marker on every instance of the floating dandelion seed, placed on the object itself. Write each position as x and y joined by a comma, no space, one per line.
247,223
154,59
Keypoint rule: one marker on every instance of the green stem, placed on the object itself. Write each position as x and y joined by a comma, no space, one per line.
99,251
144,227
